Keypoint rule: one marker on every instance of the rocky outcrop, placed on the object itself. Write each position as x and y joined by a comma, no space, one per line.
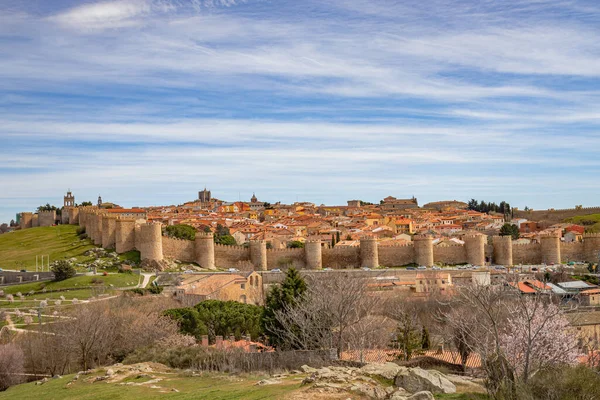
379,381
387,371
417,380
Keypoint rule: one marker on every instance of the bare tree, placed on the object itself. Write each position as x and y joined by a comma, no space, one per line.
329,313
11,366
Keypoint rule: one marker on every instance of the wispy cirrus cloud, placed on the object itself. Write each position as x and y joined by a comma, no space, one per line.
144,100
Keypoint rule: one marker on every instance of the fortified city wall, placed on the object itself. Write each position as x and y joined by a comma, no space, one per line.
558,215
125,234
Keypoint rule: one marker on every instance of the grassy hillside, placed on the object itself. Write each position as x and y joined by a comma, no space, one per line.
79,287
591,222
18,249
171,386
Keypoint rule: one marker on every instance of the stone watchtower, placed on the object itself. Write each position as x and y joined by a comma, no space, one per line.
475,249
369,253
312,251
69,200
205,250
423,245
550,248
150,242
503,254
258,254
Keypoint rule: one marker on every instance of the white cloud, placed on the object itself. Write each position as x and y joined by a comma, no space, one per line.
103,15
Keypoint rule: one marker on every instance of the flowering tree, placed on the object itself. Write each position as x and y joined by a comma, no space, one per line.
537,335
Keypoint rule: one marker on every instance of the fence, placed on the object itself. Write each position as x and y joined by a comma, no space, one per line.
388,355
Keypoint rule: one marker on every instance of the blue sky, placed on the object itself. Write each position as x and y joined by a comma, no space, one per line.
147,101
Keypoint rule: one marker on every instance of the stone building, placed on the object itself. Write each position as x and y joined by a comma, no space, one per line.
391,204
204,196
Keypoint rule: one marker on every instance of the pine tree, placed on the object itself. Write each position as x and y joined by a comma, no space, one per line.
337,237
279,297
425,341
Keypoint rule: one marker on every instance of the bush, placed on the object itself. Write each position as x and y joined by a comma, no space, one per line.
565,383
125,269
83,236
80,230
63,270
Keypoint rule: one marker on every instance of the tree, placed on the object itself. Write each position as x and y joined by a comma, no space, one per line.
348,237
425,341
287,294
3,228
47,207
295,244
332,240
86,203
537,335
215,317
181,231
510,230
13,223
332,312
63,270
223,236
407,337
337,237
11,366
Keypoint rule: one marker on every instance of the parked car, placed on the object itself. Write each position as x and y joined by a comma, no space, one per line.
436,267
327,269
422,267
366,268
233,270
411,269
275,270
188,271
23,270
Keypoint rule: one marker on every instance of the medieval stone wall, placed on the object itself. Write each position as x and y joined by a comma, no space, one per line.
285,258
179,249
527,253
26,220
47,218
449,254
230,256
571,251
341,257
558,215
396,256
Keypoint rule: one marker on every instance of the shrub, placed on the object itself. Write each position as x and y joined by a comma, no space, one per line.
80,230
63,270
125,269
565,383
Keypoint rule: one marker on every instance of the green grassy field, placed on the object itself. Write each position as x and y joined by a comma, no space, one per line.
79,287
18,249
591,222
211,387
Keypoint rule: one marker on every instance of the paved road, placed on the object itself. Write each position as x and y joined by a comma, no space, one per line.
147,277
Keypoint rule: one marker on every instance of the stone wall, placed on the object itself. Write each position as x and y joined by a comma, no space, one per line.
449,254
47,218
285,258
571,251
179,249
341,257
555,215
231,256
527,253
396,256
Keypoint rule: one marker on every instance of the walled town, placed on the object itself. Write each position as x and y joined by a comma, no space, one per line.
414,276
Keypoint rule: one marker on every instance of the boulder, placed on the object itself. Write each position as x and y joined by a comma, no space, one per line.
387,371
417,380
400,394
424,395
372,392
307,369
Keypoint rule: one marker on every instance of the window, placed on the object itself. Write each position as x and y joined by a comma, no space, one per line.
243,286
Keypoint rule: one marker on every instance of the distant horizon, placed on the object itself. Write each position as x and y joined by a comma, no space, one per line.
146,100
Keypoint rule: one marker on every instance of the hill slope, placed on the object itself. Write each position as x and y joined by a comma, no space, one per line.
18,249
